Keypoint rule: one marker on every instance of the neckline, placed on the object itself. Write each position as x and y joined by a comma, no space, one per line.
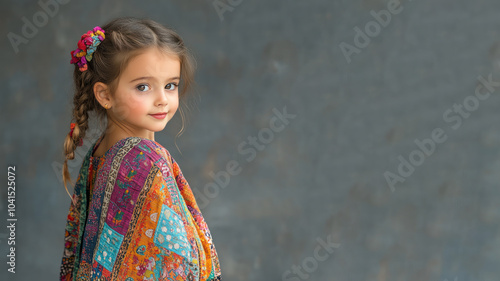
98,142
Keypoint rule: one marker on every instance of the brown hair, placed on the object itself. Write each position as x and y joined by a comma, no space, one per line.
124,39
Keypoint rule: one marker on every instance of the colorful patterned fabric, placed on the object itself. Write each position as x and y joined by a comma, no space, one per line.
136,219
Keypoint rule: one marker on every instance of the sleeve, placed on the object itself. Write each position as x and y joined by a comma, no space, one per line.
212,262
71,236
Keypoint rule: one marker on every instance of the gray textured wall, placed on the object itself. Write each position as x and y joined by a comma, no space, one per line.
359,114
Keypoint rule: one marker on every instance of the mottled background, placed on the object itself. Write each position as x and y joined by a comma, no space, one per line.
319,178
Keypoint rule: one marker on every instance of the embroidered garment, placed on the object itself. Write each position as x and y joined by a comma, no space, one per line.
136,219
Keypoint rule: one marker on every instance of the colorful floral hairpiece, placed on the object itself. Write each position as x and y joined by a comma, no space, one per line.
86,47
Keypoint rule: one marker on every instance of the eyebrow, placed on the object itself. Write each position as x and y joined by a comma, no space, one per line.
149,77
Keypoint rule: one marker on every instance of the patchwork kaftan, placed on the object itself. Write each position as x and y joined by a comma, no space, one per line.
136,219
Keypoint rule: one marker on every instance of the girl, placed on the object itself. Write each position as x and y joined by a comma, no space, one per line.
133,215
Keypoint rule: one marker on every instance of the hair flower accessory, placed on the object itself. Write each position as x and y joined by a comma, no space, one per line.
86,47
72,127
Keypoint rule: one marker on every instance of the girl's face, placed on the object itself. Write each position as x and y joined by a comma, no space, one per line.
146,96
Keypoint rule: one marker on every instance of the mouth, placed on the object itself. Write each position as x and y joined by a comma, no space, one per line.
160,115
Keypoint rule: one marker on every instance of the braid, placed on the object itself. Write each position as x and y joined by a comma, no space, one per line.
83,102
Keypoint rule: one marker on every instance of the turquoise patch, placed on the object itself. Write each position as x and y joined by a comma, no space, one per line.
171,234
109,244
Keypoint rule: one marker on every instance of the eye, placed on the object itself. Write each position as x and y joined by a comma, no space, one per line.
143,87
170,86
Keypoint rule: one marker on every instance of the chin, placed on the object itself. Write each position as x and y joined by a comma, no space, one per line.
159,129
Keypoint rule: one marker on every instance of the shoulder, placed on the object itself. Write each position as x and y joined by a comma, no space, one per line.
143,149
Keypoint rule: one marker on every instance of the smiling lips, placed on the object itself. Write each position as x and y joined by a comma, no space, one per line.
161,115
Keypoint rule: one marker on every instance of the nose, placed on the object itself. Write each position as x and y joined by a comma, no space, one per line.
162,99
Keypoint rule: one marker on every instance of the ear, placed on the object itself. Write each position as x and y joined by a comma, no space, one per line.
102,94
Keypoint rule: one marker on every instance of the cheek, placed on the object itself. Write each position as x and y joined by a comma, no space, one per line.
130,107
174,105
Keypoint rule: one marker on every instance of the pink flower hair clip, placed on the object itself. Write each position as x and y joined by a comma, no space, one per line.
86,47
